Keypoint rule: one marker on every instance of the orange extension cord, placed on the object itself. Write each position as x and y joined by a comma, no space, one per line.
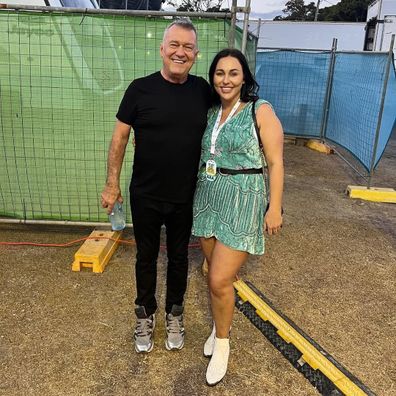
124,241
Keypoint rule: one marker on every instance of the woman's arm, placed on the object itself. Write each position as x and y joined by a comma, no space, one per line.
271,134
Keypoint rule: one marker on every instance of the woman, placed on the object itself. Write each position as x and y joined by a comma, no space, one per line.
231,198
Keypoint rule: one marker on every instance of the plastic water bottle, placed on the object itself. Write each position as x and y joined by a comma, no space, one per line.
117,217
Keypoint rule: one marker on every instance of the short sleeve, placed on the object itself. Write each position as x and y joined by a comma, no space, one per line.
128,106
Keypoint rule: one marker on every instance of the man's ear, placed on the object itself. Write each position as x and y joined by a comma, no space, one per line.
196,54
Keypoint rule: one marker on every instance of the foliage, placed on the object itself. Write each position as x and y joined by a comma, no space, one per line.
198,5
345,11
131,4
296,10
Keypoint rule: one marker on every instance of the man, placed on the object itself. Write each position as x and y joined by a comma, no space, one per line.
167,111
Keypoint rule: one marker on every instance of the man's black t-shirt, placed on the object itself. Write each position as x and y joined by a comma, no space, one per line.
168,121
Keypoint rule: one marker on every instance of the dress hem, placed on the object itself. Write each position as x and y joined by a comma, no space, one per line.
227,244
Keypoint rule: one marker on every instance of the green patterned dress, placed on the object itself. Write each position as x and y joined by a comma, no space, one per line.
231,208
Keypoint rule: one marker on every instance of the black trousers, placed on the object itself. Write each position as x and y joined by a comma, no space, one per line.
148,216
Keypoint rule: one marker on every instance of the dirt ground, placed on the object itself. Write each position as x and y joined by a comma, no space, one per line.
332,271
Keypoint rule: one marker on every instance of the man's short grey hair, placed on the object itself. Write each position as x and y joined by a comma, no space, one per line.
183,22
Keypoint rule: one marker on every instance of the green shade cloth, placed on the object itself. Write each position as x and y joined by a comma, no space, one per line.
62,77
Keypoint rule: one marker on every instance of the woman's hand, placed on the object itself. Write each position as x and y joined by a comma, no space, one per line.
273,221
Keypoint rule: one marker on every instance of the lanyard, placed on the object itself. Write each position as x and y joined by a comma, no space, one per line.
216,129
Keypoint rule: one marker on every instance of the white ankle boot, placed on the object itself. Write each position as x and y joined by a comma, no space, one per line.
218,364
209,344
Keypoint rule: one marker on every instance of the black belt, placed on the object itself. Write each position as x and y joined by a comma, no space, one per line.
250,171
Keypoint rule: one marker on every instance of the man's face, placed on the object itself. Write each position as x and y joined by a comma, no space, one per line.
178,51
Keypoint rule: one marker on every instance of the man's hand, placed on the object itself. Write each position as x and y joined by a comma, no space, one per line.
110,195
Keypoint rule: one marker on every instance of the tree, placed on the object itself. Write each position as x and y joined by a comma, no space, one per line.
198,5
131,4
296,10
346,11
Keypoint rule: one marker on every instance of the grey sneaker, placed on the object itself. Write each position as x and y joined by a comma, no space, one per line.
144,331
174,328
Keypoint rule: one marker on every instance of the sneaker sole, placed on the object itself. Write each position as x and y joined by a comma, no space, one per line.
168,348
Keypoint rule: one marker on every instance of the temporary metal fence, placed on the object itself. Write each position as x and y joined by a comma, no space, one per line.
345,97
63,73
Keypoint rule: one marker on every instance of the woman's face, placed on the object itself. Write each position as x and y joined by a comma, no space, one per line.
228,79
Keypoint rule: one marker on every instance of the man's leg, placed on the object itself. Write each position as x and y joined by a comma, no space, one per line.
178,221
147,221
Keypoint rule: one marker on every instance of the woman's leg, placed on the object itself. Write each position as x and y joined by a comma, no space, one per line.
207,246
224,265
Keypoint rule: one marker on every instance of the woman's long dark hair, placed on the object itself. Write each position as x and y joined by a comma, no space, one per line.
249,88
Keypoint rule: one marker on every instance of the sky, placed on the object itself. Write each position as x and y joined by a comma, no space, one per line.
268,9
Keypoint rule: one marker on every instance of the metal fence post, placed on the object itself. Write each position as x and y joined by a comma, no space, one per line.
381,110
258,30
231,35
329,87
245,26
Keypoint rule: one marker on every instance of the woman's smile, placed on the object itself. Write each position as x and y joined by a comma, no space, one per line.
228,78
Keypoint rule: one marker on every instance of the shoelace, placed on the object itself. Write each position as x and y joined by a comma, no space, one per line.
174,324
144,327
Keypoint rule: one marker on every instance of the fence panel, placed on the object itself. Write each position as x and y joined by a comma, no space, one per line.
355,103
62,77
295,83
388,123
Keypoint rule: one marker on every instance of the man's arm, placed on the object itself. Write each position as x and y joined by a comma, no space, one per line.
112,192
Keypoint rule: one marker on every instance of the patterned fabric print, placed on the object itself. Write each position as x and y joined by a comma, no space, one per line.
231,208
